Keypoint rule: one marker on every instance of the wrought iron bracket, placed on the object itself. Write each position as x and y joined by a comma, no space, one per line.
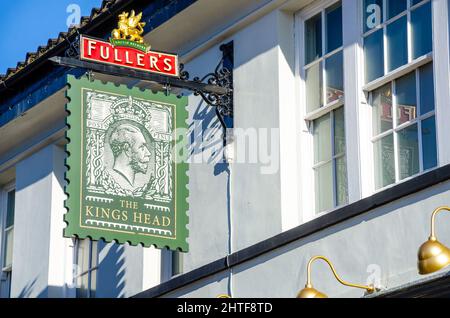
221,77
197,86
215,88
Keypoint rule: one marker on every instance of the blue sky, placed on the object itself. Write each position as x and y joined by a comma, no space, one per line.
26,24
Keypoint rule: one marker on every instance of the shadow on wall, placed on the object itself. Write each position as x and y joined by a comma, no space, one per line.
205,138
111,271
48,292
28,290
110,277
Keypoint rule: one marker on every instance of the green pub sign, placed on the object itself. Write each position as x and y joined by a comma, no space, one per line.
126,179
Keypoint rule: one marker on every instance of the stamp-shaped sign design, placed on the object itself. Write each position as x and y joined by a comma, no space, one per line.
126,179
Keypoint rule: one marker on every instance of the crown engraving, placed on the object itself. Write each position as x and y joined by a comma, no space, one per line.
130,109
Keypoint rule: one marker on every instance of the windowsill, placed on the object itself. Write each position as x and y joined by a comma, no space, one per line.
324,110
375,192
7,269
404,180
399,72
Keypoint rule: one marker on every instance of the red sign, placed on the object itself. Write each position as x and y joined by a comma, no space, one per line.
104,52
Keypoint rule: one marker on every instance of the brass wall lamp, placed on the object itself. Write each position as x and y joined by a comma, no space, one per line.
433,255
310,292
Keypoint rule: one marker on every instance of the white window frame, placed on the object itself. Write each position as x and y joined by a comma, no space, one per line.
440,59
91,269
307,179
396,128
5,271
307,14
358,112
412,63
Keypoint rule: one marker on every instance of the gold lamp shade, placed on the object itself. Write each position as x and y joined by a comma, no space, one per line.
433,255
310,292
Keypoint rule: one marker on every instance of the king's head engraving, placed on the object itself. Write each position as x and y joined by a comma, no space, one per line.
130,150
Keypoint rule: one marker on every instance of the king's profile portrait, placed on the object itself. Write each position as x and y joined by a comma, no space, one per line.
131,154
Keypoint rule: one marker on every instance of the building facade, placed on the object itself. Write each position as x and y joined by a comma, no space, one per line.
338,148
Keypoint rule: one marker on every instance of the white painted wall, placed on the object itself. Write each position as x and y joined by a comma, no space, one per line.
38,266
256,203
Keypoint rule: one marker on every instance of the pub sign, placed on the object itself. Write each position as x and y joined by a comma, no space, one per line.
126,179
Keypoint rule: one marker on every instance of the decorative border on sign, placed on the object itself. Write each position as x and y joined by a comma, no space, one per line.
73,159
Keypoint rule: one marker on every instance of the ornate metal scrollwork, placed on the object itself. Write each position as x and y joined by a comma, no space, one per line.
184,75
73,51
222,77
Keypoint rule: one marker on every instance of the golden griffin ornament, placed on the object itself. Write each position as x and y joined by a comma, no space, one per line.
129,27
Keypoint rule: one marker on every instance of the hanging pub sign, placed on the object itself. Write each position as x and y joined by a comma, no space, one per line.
126,180
126,48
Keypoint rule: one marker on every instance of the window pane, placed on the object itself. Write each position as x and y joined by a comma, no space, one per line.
421,30
341,181
10,208
334,27
384,162
429,148
426,89
9,236
322,139
339,131
313,38
382,109
314,87
395,7
334,76
373,54
406,98
324,187
408,143
373,14
397,44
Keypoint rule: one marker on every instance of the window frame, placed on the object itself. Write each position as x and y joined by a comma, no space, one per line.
333,160
304,16
90,271
5,271
396,128
4,203
307,164
412,63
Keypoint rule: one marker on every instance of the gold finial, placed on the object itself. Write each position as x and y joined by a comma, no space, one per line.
129,27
